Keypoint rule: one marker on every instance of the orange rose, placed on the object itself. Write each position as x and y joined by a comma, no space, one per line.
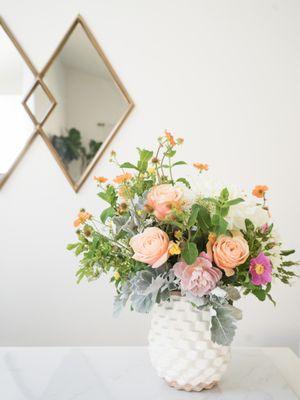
151,247
162,198
229,252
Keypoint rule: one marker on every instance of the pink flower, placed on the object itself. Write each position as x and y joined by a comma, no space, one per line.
260,270
162,198
151,247
264,228
199,278
229,252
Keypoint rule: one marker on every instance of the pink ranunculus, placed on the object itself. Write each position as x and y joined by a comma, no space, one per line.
162,198
151,247
199,278
260,270
229,252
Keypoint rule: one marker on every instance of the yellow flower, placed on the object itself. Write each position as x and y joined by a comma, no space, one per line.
116,275
178,235
151,170
174,249
180,140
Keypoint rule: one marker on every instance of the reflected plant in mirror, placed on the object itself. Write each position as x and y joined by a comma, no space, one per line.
16,77
70,148
91,103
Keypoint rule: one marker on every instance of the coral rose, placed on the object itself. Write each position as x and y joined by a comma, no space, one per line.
151,247
229,252
162,198
199,278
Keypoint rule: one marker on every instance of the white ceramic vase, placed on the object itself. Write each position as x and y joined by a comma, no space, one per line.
180,347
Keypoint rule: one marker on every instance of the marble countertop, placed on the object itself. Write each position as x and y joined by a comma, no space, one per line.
113,373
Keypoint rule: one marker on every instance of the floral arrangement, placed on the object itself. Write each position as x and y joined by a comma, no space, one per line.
159,236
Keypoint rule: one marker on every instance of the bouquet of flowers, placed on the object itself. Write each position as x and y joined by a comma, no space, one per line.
160,236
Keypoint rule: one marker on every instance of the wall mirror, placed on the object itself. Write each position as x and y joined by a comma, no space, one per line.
17,75
91,103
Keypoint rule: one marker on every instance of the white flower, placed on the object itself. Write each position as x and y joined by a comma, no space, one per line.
248,209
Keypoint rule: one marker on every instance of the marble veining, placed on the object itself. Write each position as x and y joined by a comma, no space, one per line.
112,373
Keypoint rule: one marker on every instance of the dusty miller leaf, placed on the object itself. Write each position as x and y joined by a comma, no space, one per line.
223,324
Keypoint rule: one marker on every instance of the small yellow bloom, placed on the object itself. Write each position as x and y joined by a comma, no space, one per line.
116,275
180,140
151,170
174,249
178,235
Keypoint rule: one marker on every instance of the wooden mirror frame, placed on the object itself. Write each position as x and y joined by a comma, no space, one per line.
35,74
80,21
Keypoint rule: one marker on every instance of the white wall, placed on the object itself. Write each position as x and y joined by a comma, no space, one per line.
223,74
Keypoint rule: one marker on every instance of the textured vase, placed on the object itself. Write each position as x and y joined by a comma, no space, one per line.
180,347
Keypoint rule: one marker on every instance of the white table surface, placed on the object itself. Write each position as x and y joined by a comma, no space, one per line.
113,373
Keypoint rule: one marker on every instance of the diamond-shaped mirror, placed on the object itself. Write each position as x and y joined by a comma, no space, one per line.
39,103
91,103
17,75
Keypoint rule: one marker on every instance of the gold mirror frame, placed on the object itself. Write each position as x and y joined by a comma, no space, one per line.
80,21
35,74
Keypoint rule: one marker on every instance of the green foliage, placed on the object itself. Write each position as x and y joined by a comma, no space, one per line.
69,147
190,253
223,324
191,229
109,195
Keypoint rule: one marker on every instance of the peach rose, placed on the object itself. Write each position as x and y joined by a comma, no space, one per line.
162,198
151,247
229,252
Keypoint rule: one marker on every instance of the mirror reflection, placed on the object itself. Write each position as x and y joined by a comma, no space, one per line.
90,104
16,78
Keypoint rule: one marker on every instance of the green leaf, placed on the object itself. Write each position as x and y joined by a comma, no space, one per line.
286,253
289,263
145,156
170,153
260,294
223,324
190,253
185,182
129,165
193,216
108,212
110,195
204,218
219,224
179,163
224,195
72,246
249,225
271,299
234,202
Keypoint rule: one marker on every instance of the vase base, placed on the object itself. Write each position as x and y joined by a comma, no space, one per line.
191,388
